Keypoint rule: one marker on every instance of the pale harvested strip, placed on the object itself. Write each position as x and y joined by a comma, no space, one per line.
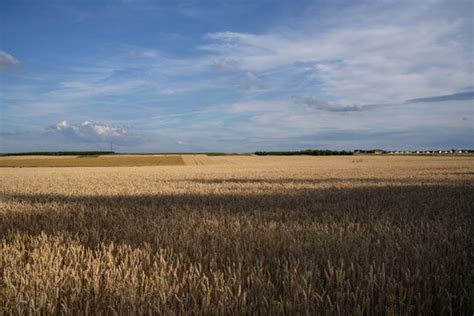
196,160
101,161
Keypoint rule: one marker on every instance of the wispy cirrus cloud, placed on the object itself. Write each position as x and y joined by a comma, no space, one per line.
361,62
316,104
252,82
7,60
460,96
225,64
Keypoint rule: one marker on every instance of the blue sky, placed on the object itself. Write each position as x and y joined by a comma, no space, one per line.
235,76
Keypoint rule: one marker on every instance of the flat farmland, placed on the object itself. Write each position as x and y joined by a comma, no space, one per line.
87,161
266,235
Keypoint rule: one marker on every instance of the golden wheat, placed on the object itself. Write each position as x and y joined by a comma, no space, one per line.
240,235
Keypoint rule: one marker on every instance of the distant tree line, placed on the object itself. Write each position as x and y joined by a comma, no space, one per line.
311,152
369,151
60,153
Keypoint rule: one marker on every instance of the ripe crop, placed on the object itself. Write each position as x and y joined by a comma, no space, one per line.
88,161
240,235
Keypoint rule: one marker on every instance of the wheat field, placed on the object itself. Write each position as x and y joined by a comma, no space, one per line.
355,235
88,161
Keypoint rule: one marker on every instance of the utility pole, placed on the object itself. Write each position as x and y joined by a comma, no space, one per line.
111,147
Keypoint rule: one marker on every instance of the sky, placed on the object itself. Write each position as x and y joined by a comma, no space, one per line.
236,76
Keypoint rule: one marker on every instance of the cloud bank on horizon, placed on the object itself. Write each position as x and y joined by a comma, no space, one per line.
236,76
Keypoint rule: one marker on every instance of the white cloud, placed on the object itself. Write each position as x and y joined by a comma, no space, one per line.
362,62
258,106
7,60
92,131
251,83
226,64
314,103
145,53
